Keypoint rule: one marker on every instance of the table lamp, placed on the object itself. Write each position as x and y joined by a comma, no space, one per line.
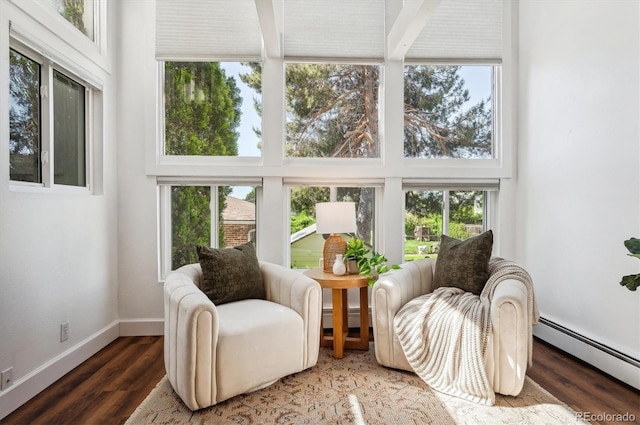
334,218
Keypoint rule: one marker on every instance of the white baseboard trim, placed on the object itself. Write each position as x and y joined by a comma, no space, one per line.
143,327
28,386
618,365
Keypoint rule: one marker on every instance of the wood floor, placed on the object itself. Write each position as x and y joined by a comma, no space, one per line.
108,387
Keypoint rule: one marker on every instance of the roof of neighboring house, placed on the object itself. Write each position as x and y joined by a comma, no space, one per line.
238,210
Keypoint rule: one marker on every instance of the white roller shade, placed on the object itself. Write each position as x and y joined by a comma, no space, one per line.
207,29
461,29
334,28
451,184
207,181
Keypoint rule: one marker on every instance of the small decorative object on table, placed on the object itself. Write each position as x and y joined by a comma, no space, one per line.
339,267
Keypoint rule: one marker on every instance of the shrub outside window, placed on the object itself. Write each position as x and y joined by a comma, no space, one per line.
429,214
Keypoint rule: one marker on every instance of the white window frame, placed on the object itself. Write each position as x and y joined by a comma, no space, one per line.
47,151
165,242
333,185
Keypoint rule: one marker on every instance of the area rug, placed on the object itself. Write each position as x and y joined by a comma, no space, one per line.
354,390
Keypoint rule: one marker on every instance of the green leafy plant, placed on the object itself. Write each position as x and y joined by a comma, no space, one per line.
632,281
369,263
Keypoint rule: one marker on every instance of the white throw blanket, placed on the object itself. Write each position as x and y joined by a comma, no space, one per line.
445,334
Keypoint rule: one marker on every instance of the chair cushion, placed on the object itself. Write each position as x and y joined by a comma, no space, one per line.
230,274
258,342
464,264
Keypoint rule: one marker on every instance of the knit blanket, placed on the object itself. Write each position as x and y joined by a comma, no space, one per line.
445,334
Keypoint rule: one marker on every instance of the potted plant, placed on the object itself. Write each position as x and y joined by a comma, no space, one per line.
632,281
369,264
356,250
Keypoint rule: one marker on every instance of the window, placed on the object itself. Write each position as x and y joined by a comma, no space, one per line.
332,111
24,118
448,112
191,216
68,131
306,244
48,126
429,214
212,109
79,12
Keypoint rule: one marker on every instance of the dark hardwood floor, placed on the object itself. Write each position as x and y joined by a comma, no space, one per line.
108,387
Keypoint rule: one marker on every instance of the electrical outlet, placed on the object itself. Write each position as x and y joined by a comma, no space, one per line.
7,379
64,331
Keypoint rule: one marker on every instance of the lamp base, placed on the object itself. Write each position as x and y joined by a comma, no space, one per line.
334,244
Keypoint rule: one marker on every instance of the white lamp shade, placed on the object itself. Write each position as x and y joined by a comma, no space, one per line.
336,217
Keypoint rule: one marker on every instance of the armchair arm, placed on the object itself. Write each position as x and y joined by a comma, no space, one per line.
190,338
300,293
511,336
392,291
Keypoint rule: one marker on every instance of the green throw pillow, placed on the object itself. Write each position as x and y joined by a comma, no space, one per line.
464,264
231,274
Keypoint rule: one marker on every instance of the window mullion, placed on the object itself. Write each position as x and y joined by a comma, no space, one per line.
46,137
445,212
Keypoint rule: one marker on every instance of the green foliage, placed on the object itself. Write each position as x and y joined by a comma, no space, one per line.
300,221
370,263
632,281
456,230
356,249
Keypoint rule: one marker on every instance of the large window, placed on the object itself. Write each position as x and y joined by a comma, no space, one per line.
448,112
306,244
332,111
47,125
429,214
212,109
208,215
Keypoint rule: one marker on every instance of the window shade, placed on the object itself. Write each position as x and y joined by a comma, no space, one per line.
451,184
331,29
208,181
461,29
207,29
334,29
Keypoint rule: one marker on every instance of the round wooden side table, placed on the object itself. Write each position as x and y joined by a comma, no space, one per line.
339,285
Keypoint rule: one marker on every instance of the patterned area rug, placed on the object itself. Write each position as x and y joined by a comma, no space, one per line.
354,390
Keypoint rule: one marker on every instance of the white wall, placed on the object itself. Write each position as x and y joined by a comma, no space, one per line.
578,195
140,293
57,251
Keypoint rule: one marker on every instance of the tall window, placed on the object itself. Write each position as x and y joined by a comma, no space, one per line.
306,244
210,109
332,111
429,214
448,112
38,155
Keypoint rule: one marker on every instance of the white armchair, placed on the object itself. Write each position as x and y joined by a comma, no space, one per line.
508,355
212,353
